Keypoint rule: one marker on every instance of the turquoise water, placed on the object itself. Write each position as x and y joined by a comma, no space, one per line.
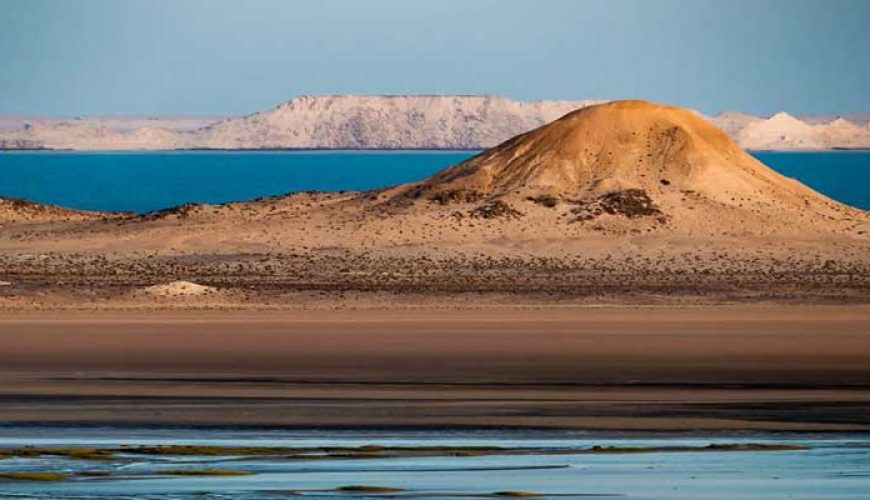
142,181
835,466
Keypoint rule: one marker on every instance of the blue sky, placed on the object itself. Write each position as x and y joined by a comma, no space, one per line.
76,57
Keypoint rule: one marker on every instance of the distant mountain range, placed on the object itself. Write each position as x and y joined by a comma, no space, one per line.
391,122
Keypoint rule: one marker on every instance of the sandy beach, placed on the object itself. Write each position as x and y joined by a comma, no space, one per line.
728,367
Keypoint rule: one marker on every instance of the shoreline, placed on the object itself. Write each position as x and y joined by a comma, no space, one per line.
360,150
446,431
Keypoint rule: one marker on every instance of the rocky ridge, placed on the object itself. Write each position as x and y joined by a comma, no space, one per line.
389,122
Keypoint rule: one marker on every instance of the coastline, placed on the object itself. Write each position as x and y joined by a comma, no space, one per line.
832,149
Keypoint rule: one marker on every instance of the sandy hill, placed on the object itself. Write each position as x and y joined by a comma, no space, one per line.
637,158
19,210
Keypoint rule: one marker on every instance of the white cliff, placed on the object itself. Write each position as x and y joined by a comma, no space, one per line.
385,122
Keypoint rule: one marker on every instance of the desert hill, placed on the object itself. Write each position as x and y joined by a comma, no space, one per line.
662,158
388,122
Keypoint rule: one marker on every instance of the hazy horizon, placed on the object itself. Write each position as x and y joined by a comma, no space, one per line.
220,58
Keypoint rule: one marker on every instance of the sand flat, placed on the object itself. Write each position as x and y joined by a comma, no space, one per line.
788,367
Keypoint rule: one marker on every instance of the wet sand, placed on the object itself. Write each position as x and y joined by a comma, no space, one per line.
728,367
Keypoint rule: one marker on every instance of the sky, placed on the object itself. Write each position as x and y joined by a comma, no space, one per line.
229,57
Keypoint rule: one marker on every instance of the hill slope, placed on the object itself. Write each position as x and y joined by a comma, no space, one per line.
15,210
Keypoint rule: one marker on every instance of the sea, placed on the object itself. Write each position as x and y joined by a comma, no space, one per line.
829,466
145,181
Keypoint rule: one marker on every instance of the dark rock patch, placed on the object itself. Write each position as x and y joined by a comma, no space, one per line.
460,195
184,211
495,209
629,203
546,200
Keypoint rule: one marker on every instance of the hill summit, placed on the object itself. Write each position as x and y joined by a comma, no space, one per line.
666,155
